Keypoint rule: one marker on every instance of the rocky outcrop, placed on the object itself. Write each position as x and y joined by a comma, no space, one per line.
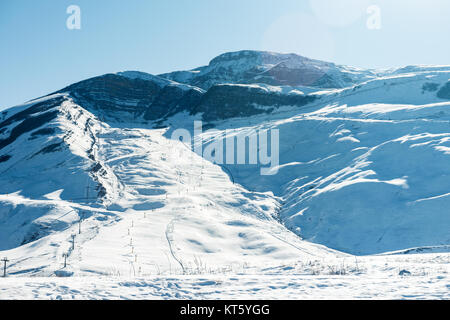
28,120
125,98
113,96
171,100
229,101
143,97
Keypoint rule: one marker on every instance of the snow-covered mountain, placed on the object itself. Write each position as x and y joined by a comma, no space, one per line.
362,170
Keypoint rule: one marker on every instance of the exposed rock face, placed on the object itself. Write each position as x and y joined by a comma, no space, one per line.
124,98
143,97
229,101
282,74
171,100
114,95
28,120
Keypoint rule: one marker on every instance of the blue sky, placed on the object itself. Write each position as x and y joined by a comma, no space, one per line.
39,54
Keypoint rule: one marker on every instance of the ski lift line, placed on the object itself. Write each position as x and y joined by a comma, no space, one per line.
73,210
221,165
5,261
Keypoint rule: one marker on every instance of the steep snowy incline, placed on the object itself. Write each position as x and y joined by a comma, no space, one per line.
49,161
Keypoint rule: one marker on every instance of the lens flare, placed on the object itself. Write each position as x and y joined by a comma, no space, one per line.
339,13
302,34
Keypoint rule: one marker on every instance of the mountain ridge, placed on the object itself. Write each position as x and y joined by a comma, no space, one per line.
249,66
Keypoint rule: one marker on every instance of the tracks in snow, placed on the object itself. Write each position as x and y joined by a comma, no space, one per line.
184,212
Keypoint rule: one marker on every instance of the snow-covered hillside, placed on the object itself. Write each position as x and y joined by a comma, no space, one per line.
49,152
92,183
362,170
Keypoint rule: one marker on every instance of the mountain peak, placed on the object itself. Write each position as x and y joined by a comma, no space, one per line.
263,57
264,67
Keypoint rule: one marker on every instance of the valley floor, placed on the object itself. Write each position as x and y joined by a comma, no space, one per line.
228,287
393,276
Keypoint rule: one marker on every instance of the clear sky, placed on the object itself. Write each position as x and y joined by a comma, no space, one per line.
39,54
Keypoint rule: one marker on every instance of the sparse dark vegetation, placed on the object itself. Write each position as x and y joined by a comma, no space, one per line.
430,87
5,158
444,92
